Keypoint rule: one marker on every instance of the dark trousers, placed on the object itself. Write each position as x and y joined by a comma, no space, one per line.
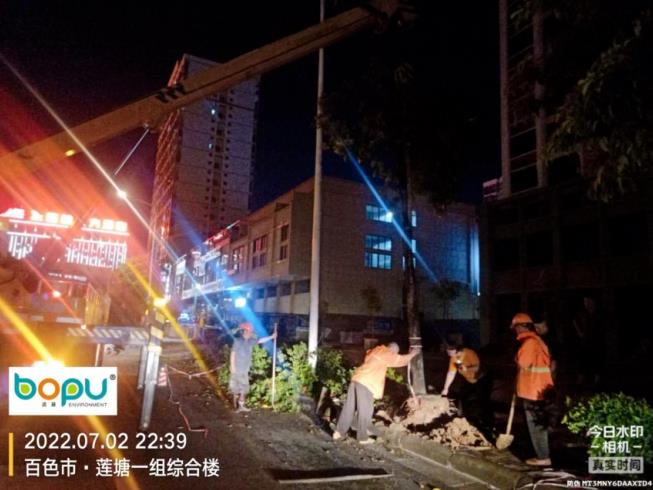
536,420
475,404
359,400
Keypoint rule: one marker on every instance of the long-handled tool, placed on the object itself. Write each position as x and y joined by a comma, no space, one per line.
274,366
505,440
413,402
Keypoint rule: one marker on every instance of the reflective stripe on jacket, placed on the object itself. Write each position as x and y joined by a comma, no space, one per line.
534,367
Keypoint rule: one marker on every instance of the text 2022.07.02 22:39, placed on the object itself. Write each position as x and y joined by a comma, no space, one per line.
95,440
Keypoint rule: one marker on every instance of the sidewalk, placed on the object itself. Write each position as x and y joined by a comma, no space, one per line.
262,448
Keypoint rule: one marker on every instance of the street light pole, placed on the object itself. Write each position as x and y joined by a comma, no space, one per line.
314,311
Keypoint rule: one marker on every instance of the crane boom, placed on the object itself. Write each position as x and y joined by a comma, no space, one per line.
150,111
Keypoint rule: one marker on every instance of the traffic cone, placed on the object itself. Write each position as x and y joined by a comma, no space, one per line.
162,380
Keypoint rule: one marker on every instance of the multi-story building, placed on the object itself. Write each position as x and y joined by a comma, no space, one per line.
264,259
203,164
546,248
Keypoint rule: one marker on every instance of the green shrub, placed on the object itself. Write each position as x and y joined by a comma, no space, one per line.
296,358
612,410
332,372
293,377
223,371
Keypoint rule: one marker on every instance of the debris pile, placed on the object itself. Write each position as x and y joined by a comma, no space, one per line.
459,433
436,418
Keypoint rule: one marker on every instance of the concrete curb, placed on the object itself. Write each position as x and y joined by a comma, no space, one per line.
472,465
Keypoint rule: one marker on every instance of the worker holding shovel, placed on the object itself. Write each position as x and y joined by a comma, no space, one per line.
533,381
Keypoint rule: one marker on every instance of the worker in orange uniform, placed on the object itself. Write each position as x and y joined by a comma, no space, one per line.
366,385
474,389
533,381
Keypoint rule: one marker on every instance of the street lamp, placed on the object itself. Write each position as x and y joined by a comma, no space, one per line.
122,194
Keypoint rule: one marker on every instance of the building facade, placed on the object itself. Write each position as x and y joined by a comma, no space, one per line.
546,248
264,260
204,164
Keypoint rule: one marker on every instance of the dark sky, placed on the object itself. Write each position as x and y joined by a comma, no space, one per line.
90,57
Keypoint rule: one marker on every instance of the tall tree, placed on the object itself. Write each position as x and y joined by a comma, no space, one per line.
598,80
404,122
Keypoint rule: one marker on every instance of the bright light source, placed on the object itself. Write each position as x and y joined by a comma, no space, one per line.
240,302
160,302
83,327
52,363
389,216
52,218
67,219
56,294
70,152
122,194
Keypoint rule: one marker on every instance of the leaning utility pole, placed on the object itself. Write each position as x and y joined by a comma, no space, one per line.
314,311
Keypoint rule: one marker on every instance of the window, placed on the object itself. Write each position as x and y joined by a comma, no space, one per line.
378,261
413,218
238,259
377,213
377,242
523,179
284,289
259,254
378,252
260,244
283,252
260,293
283,233
522,143
211,270
272,291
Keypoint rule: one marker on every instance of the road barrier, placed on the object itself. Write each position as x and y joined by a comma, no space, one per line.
109,335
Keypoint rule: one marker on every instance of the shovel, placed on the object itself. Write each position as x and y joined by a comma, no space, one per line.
505,440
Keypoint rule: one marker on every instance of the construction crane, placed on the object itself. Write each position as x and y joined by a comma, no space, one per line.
150,112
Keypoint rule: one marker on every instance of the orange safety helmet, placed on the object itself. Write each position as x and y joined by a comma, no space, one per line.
521,319
246,326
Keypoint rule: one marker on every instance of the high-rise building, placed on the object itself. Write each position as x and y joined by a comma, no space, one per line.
204,164
546,248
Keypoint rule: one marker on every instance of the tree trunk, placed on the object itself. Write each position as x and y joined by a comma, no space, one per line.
410,283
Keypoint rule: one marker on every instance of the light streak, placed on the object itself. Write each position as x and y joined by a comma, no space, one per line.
402,233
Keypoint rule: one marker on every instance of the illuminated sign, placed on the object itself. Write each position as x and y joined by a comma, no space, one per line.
101,243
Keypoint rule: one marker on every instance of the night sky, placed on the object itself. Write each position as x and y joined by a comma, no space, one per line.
90,57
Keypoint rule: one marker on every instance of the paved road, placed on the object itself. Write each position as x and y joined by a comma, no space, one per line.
254,450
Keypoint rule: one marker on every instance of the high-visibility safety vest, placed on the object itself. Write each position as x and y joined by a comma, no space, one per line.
534,367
